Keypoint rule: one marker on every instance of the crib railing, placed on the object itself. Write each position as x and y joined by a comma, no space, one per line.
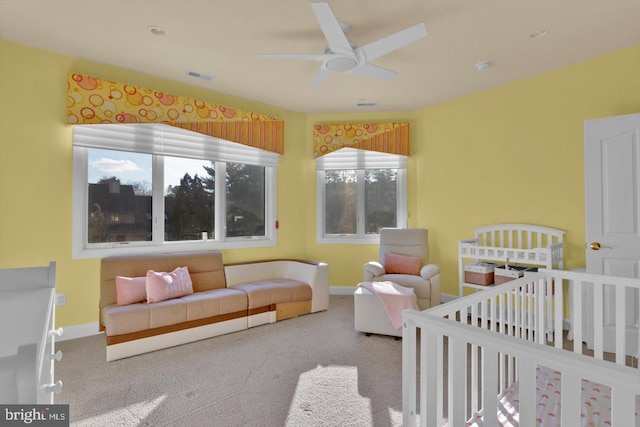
473,348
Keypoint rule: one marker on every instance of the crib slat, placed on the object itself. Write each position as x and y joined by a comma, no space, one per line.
622,406
439,382
570,400
429,369
511,302
408,372
620,324
501,379
576,314
501,313
457,382
539,291
475,350
557,292
492,314
483,313
598,319
490,386
637,354
527,388
530,312
518,313
501,323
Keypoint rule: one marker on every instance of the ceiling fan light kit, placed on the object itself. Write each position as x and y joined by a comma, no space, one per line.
344,56
341,64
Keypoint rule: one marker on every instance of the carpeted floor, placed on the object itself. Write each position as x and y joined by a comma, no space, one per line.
314,370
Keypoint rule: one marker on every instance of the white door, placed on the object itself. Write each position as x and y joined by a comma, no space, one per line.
612,196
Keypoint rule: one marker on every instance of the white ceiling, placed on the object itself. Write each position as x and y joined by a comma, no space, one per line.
222,38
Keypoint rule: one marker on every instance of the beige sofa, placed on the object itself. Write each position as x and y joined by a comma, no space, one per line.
226,298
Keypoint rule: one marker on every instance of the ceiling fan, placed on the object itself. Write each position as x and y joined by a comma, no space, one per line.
344,56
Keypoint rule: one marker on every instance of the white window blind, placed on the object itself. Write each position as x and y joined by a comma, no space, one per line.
166,140
352,158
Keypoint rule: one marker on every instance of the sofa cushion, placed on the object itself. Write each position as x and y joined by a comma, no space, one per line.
275,291
124,319
201,305
131,290
162,286
169,312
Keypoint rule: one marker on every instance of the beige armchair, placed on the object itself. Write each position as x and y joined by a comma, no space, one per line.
411,242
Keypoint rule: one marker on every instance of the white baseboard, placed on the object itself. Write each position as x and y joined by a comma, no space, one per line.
349,290
342,290
79,331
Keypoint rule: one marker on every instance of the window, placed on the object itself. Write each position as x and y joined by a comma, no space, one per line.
245,200
155,188
189,199
359,192
119,197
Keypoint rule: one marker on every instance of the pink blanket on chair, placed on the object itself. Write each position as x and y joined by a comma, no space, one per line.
394,299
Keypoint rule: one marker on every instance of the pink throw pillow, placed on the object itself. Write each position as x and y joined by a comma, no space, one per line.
162,286
130,290
402,264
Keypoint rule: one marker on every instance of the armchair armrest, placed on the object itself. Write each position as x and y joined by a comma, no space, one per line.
429,270
372,269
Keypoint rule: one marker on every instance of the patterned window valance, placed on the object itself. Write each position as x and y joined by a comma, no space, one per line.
392,138
91,100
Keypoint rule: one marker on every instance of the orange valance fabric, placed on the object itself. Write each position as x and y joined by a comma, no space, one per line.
392,138
91,100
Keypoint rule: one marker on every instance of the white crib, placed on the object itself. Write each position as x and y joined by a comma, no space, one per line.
27,335
503,349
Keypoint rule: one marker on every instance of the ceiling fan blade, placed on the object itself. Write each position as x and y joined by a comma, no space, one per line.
394,41
322,75
330,26
310,56
374,71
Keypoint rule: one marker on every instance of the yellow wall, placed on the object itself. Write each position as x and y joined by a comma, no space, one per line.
515,154
511,154
36,171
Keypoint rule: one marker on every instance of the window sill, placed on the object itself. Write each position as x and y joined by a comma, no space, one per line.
350,240
170,247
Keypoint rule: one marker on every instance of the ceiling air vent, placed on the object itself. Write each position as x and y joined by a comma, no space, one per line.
200,76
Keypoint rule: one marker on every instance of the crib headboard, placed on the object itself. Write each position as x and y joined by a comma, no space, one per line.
521,236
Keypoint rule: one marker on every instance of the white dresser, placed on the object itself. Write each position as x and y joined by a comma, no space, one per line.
27,335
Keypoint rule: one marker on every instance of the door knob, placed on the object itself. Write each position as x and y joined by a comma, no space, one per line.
596,246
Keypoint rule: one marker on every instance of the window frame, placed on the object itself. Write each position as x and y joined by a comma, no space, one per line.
82,249
361,237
